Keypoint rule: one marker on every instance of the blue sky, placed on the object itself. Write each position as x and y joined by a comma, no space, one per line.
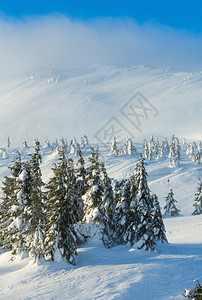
57,33
177,14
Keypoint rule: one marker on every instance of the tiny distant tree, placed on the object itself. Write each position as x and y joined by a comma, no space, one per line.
129,147
198,199
150,151
114,150
200,148
8,143
47,144
166,146
24,144
170,207
145,149
86,140
156,149
162,150
197,157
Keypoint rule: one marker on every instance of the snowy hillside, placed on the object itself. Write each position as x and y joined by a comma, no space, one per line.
92,101
50,104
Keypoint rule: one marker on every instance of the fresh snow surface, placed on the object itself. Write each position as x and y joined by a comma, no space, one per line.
120,272
55,103
71,103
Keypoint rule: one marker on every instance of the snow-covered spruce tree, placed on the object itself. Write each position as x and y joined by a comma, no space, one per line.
177,151
63,145
109,230
10,208
162,150
197,157
36,230
166,146
114,150
8,143
24,144
73,192
120,215
156,149
198,199
86,140
129,148
170,207
174,153
150,151
74,147
60,240
145,149
158,226
93,204
131,212
199,148
145,237
81,173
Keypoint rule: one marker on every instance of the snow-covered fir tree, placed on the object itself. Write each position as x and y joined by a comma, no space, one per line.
93,205
198,199
150,151
170,207
174,153
60,242
114,150
47,144
131,212
158,225
81,173
145,149
145,237
162,150
197,157
166,146
86,140
8,143
36,231
129,148
120,198
156,149
24,144
177,150
109,230
199,148
10,208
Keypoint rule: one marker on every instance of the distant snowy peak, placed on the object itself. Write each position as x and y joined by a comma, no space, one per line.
101,101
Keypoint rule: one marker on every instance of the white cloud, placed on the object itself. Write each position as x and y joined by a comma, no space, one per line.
57,42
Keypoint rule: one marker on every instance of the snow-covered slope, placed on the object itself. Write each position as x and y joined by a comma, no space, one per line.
48,104
52,104
118,273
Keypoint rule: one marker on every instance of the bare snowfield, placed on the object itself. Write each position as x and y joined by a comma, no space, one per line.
118,273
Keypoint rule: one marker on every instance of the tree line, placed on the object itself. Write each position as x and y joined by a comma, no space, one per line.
47,219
